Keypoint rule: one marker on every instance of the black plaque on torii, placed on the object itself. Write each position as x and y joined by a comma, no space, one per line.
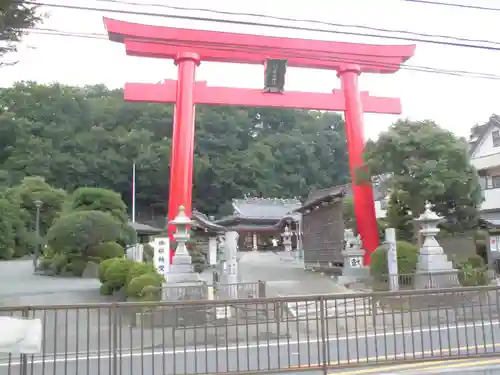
274,76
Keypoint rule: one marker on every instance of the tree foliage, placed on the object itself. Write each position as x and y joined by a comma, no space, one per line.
423,162
78,233
88,137
15,18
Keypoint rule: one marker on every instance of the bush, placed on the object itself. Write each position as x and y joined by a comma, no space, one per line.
78,232
103,267
473,272
108,250
116,274
139,269
407,255
145,287
75,267
97,199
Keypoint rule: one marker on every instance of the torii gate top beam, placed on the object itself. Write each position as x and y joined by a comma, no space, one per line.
167,42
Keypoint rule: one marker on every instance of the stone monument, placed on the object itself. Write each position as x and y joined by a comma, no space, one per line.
353,270
434,270
181,276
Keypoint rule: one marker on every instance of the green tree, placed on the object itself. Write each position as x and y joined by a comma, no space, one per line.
78,233
89,137
96,199
423,162
32,189
15,18
399,216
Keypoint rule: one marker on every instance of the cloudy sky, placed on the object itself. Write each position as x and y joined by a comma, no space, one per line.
455,102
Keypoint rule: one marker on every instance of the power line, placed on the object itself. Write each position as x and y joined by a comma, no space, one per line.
302,20
261,24
466,6
257,50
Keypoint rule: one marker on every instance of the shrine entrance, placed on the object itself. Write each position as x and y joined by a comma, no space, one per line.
188,47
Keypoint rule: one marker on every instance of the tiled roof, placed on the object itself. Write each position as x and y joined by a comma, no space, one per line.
144,228
265,208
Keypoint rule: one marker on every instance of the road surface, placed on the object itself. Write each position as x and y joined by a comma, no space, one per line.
473,339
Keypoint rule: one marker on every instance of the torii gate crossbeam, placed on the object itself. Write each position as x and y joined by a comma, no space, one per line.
189,47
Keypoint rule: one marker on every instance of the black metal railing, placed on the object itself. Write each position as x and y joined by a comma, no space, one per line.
260,334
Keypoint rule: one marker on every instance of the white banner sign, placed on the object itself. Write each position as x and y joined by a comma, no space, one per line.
161,258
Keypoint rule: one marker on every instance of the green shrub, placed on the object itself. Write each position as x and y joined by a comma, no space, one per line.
108,250
75,266
476,261
139,269
59,261
78,232
407,255
98,199
117,272
473,272
103,267
145,287
105,289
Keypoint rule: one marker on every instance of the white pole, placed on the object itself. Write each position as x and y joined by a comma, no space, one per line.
133,192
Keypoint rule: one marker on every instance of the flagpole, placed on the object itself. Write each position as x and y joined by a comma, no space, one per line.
133,192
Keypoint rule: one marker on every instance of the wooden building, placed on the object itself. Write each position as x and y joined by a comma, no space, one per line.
323,229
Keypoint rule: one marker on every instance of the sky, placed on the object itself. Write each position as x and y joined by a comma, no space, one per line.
455,102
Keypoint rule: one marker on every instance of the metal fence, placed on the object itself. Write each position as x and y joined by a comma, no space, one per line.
260,334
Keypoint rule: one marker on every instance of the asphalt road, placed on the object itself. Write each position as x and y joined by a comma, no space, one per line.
479,338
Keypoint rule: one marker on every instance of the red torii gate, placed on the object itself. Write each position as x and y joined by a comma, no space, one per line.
189,47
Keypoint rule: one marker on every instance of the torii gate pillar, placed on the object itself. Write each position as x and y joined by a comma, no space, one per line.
364,205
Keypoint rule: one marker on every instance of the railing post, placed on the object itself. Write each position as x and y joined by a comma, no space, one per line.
262,289
24,356
114,341
324,340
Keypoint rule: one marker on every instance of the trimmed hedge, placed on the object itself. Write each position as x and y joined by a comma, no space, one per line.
407,255
140,281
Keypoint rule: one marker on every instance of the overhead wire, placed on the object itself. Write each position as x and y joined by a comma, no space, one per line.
291,53
455,5
301,20
262,24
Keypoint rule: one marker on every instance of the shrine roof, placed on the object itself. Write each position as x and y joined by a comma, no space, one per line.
265,208
206,223
318,197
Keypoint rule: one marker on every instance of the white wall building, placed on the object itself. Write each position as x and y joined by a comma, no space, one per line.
485,156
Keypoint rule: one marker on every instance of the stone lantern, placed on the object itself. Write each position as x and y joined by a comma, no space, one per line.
181,269
434,270
287,239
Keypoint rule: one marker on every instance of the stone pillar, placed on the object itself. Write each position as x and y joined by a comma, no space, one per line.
353,270
434,270
212,251
254,241
181,273
231,268
287,239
